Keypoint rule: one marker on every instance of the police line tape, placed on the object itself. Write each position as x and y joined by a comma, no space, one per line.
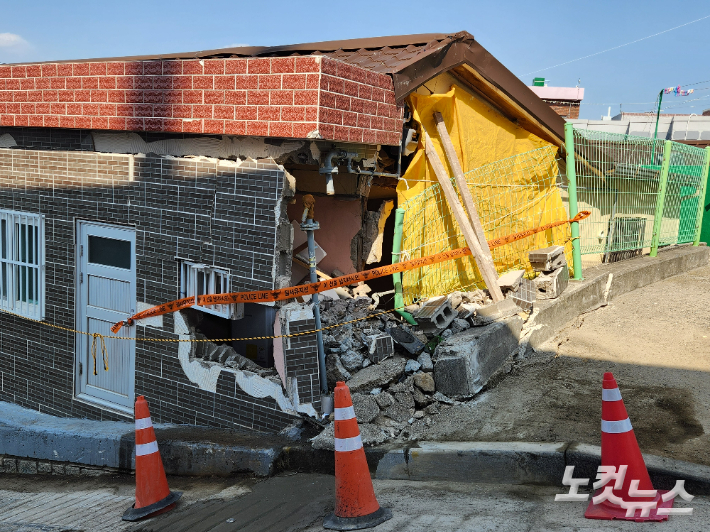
266,296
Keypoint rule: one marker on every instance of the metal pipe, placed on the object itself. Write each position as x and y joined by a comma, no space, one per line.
573,209
661,198
397,277
316,311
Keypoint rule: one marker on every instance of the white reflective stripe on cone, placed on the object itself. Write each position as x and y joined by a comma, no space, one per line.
617,427
612,394
348,444
143,423
343,414
146,448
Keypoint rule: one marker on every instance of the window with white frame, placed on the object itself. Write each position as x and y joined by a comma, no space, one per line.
199,279
22,263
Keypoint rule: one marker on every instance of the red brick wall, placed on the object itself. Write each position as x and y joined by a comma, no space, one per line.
566,110
274,97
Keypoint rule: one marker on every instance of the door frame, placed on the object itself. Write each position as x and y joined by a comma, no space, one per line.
81,358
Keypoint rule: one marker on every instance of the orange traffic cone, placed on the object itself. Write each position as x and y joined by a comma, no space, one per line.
623,496
153,496
355,504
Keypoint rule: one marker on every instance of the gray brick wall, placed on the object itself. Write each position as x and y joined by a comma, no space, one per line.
192,209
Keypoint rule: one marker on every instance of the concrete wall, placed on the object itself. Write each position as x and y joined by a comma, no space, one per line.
223,214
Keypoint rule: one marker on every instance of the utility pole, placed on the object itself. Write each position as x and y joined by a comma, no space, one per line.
655,133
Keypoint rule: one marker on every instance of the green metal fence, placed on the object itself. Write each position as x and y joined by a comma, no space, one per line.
643,193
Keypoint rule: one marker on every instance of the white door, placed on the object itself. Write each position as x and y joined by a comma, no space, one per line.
106,294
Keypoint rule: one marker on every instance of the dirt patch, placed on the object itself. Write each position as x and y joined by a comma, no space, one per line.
656,341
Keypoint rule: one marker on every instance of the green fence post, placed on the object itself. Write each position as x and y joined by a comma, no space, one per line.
573,210
661,197
703,197
397,277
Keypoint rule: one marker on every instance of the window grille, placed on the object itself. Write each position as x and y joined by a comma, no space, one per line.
199,279
22,263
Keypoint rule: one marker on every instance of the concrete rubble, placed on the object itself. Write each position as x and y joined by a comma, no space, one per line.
398,373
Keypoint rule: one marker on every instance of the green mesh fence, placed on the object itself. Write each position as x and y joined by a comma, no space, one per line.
618,178
511,195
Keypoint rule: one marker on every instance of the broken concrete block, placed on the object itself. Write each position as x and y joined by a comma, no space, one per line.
466,310
399,412
551,285
377,374
547,259
425,382
381,347
406,339
466,362
351,360
455,298
366,409
432,409
334,370
525,296
425,362
384,399
496,311
459,325
412,366
405,399
510,280
435,314
420,399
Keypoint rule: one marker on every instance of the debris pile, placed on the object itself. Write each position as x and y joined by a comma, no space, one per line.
554,274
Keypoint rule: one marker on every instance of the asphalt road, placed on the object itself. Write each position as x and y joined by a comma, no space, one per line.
298,503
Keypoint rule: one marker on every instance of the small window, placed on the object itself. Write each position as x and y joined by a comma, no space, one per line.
22,264
110,252
199,280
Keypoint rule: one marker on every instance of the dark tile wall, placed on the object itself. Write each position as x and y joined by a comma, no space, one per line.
198,210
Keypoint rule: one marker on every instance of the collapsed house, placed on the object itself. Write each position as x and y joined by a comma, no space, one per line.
129,182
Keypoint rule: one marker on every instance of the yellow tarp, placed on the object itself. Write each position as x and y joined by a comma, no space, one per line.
511,195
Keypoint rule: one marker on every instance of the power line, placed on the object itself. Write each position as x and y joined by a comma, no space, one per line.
617,47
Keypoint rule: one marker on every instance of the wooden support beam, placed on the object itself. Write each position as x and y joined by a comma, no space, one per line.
490,277
468,203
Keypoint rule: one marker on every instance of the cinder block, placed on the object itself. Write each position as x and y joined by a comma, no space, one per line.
525,296
27,467
547,259
44,468
494,312
435,314
551,285
407,340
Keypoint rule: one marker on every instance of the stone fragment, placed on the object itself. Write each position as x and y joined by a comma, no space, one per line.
477,296
384,400
366,362
547,259
398,412
418,414
432,409
334,370
375,391
441,398
446,333
425,382
551,285
378,374
412,366
467,361
357,308
435,314
459,325
466,310
510,280
496,311
366,408
420,398
406,339
381,346
455,299
351,360
405,399
425,362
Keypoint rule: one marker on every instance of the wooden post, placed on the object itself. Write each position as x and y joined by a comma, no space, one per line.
489,274
468,203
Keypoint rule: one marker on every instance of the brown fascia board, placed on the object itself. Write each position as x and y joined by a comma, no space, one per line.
261,51
464,50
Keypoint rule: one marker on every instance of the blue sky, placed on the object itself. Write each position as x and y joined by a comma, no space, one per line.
526,36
